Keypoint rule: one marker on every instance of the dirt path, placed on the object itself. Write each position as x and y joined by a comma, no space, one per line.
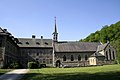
14,75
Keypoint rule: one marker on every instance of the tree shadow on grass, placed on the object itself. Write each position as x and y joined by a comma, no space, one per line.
73,76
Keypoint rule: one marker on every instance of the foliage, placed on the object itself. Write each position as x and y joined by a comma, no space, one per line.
32,65
14,65
106,72
42,65
2,71
107,33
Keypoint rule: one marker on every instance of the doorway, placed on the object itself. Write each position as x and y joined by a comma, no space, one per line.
58,63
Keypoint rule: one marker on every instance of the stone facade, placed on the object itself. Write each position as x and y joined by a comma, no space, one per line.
43,56
8,48
53,52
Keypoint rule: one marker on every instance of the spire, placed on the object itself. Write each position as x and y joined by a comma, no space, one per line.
55,34
55,29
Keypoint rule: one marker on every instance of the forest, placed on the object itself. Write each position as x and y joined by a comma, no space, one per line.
109,33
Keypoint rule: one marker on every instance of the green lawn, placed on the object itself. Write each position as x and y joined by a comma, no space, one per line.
106,72
2,71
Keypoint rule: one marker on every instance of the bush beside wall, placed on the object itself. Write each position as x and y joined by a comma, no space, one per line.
32,65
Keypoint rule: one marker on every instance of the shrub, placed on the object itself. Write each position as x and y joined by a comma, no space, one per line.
32,65
116,62
42,65
14,65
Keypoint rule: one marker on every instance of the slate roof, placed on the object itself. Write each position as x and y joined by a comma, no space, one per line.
76,46
3,32
102,47
97,54
33,42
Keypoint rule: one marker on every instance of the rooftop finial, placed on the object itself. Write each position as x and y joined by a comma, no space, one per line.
55,25
55,19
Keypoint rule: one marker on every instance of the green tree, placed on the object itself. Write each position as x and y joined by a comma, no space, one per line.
111,33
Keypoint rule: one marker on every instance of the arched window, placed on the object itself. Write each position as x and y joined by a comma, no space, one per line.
86,58
113,55
110,54
64,58
79,58
106,55
72,58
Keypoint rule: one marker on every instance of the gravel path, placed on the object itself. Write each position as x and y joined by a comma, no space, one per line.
14,75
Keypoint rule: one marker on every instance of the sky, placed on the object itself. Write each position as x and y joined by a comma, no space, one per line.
75,19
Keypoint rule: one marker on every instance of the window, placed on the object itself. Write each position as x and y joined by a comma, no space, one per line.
86,58
72,58
37,43
47,60
79,58
50,61
106,55
110,54
37,54
37,59
40,60
113,55
43,60
27,43
19,42
64,58
46,43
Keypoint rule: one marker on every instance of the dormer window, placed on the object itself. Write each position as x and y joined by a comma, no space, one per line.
37,43
27,43
46,43
19,42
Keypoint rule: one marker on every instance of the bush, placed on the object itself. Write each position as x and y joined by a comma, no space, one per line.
116,62
32,65
14,65
42,65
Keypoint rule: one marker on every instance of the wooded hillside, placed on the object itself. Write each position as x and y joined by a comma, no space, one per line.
107,33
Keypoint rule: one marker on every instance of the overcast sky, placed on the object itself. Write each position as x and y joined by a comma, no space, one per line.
76,19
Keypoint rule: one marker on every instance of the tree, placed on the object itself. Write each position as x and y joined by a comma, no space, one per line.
111,33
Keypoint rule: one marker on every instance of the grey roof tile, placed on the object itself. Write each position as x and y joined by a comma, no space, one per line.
76,46
102,46
33,42
97,54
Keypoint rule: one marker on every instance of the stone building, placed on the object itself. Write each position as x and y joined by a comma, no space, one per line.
53,52
9,50
33,49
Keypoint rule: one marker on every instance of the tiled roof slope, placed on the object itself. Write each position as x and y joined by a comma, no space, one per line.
33,42
76,46
102,47
3,32
97,54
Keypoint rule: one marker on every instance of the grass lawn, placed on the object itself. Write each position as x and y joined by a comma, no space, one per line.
2,71
106,72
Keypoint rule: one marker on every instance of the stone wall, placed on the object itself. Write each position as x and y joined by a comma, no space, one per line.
75,62
41,55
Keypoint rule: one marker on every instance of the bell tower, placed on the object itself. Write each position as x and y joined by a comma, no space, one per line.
55,34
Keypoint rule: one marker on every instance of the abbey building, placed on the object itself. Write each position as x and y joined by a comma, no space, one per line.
53,52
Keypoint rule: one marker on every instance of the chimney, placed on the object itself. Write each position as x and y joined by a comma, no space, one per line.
33,36
41,37
5,29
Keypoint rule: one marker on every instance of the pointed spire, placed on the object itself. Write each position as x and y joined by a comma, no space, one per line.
55,34
55,29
